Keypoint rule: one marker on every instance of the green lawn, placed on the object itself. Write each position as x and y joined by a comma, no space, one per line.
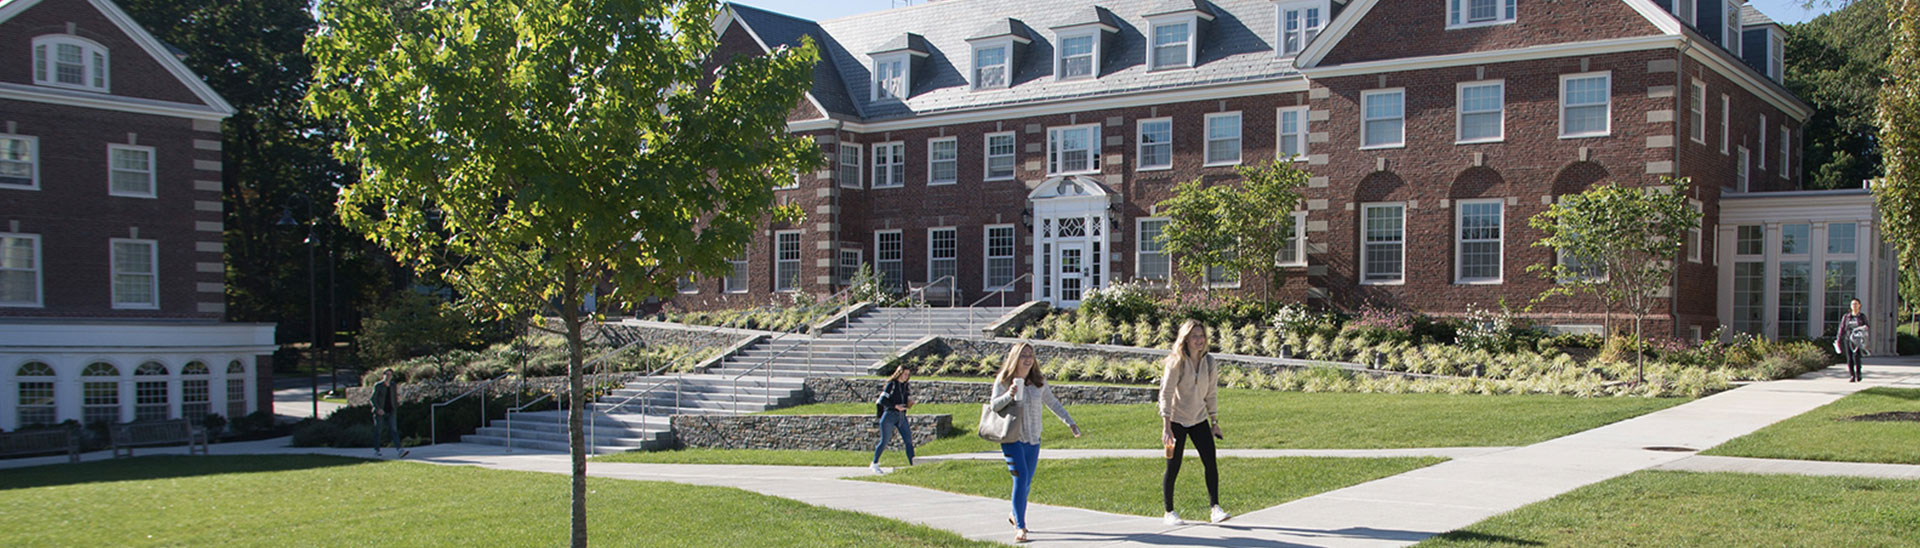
329,501
1821,434
1132,486
1255,419
1657,508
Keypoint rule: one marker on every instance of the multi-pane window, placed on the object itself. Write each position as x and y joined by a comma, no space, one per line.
1762,162
1693,234
1384,114
1384,243
1000,250
1479,12
890,78
1171,43
100,393
1749,240
943,254
150,392
1000,156
1776,57
889,165
1796,286
1291,133
786,257
1223,138
35,388
68,61
1697,112
1795,239
1156,143
194,397
790,183
236,390
1684,10
1731,38
1480,223
990,67
686,284
1076,56
1220,276
848,265
1749,297
1150,258
849,174
1482,112
135,284
1293,249
1843,279
1586,105
19,269
1741,178
1073,149
943,161
887,259
1299,23
1726,124
130,171
19,163
1842,238
736,278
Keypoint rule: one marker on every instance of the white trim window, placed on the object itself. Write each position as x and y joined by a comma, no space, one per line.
1694,238
1290,133
37,404
849,174
736,279
1776,57
943,254
1761,163
990,67
19,162
1079,56
943,161
1478,13
1293,249
686,285
1223,138
1000,250
136,284
1586,105
130,171
1481,112
1155,146
1000,156
1786,153
1726,124
890,165
1073,149
1731,38
1697,112
236,389
20,270
1218,277
1684,9
1479,244
1172,46
1384,121
792,182
890,77
888,259
849,265
1383,243
1300,22
786,261
1150,261
1741,177
68,61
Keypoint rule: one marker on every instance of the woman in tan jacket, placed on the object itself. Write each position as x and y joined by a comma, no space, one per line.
1188,407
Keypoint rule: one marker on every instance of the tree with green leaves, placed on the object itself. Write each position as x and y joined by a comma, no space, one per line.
1898,193
542,154
1838,63
1617,243
1234,228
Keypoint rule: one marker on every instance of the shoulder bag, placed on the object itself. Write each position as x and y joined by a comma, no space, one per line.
1001,426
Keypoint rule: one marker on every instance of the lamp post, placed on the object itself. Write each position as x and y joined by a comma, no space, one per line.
313,302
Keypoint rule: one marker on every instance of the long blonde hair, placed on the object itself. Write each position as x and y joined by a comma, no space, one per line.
1182,357
897,372
1012,364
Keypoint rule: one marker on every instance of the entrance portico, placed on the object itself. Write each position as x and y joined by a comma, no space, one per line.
1071,235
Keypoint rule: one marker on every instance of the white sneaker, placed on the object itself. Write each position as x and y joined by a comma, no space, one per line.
1172,519
875,467
1219,515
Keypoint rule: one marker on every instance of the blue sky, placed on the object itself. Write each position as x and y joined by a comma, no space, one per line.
1785,11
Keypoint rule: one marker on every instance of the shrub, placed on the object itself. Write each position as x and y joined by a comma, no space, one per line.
411,324
1907,341
1122,302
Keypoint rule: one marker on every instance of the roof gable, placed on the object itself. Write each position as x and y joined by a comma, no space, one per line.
145,74
1375,27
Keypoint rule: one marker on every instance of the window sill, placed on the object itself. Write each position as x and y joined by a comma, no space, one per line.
946,183
1301,264
1489,140
998,179
1221,164
1493,23
741,292
1293,158
22,305
136,307
1608,133
901,185
851,187
1072,173
1495,281
35,186
75,87
1235,285
1144,169
1169,68
1402,144
1402,281
149,196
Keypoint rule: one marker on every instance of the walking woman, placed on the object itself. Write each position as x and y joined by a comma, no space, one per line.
1188,410
1849,345
1021,385
894,402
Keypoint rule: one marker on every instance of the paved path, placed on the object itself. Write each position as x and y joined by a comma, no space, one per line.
1744,465
1448,452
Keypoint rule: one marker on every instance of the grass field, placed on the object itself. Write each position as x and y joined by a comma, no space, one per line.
1657,508
1822,434
330,501
1132,486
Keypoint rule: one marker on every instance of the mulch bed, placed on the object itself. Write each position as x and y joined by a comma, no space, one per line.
1890,416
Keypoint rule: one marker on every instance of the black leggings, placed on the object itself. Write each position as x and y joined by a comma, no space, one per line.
1202,435
1853,363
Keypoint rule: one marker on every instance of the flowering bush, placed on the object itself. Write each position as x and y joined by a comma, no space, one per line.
1122,302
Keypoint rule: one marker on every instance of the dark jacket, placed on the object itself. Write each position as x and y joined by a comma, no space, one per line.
1844,336
384,397
895,393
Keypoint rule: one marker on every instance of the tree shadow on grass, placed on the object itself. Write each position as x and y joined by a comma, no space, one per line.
1483,538
162,467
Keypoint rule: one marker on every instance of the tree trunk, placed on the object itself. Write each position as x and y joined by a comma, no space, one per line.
1639,354
576,393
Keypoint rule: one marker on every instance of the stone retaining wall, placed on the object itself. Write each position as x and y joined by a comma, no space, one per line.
844,390
416,391
803,432
1051,351
687,336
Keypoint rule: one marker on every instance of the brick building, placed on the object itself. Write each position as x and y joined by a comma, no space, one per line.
111,275
1020,147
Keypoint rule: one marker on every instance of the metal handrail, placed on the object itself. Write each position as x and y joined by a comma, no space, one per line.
767,363
1002,294
890,323
521,408
433,418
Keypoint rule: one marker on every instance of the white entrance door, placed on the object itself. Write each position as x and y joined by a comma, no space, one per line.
1071,274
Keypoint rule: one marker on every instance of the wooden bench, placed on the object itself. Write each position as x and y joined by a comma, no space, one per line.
42,441
127,436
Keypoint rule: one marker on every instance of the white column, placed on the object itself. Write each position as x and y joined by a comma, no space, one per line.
67,395
1866,252
176,396
217,388
1817,280
127,393
1723,247
1770,306
9,395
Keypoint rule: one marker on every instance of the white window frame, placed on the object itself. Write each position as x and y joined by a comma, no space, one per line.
96,73
1697,112
1092,34
1298,137
39,271
1776,57
1312,11
793,182
1186,42
1141,144
1005,65
1695,236
1366,210
1055,154
1685,11
1731,39
738,278
1139,249
1726,124
1459,14
1365,98
1742,176
153,169
1607,107
32,161
1299,239
879,262
1761,163
1012,156
895,164
780,263
844,272
1786,153
1012,259
686,285
1460,241
1239,140
955,259
1460,112
113,265
859,154
934,161
895,85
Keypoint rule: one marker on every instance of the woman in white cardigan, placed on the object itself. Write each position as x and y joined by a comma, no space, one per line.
1021,385
1189,405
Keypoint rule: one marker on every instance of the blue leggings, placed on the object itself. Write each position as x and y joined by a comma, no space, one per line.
1022,460
891,421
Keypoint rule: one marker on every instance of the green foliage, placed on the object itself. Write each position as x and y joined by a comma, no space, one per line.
414,324
1122,302
1236,228
1837,63
1908,340
765,319
1898,194
539,355
353,426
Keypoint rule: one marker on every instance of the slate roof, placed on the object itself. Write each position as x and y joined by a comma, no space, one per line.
1235,47
1751,17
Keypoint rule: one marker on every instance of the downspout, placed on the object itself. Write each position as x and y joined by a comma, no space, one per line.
834,189
1679,85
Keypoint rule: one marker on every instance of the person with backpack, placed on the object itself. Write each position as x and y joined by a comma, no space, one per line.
1020,390
1189,409
891,409
386,413
1850,340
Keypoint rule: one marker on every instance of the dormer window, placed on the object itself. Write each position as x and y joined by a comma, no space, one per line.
1776,57
1174,34
1474,13
69,62
1299,23
890,77
1731,38
990,67
1683,9
994,49
1172,45
1078,55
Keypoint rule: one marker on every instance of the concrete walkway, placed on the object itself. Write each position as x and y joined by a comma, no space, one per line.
1050,454
1744,465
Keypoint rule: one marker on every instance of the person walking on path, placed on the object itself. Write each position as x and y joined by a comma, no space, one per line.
1189,405
1021,385
386,411
1844,341
893,404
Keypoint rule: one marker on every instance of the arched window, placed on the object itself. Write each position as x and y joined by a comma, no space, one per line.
193,391
100,393
150,392
35,383
69,61
236,390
